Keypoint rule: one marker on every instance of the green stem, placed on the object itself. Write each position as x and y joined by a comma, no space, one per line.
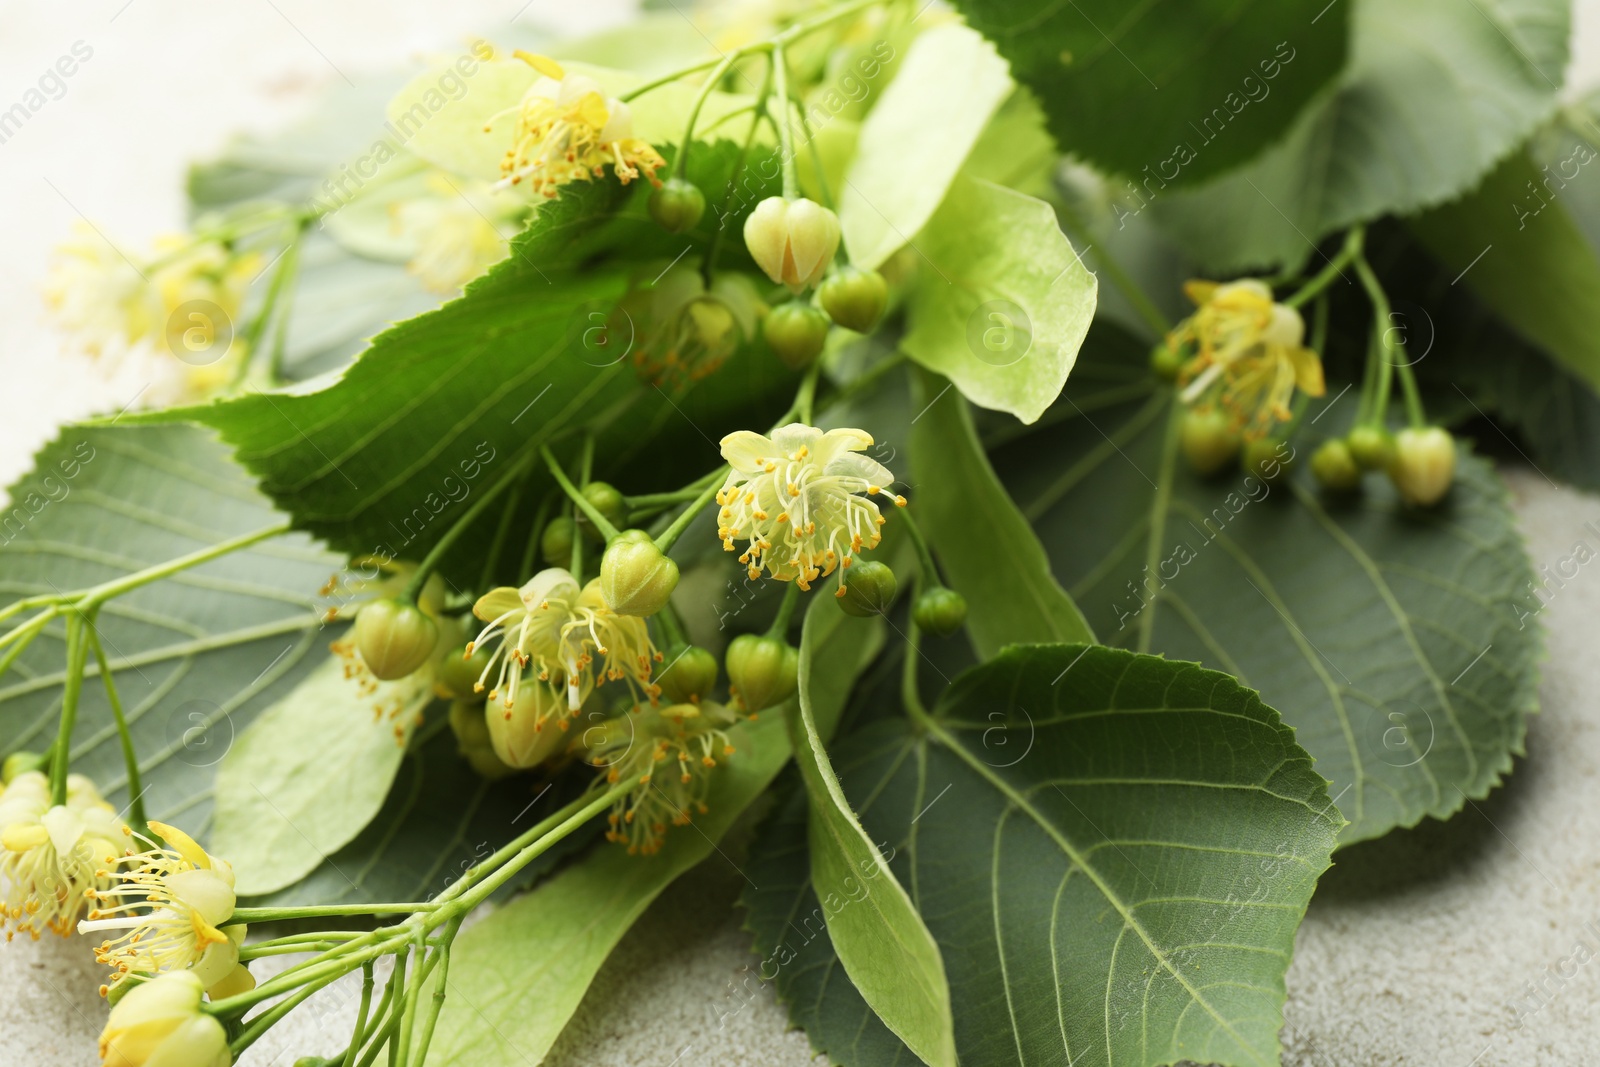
930,572
267,1019
671,534
1388,350
77,657
439,991
680,165
1351,250
791,182
507,478
479,893
268,915
780,623
805,399
23,636
130,758
92,598
671,627
397,1016
717,236
908,678
401,1053
531,549
668,79
381,1021
601,523
359,1032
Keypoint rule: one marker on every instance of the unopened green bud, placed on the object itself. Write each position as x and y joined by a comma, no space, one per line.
604,498
555,544
796,332
1167,360
636,577
1372,447
1268,459
533,729
855,298
1335,467
394,638
762,671
866,589
20,763
469,722
1209,440
940,611
677,205
690,673
1424,465
459,672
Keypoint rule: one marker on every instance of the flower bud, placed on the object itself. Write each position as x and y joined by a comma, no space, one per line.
20,763
1167,359
469,722
796,332
394,638
555,544
533,729
604,498
855,298
459,673
1209,441
1424,465
1268,459
1372,447
792,240
689,675
940,611
636,577
1335,467
160,1023
866,589
677,205
762,671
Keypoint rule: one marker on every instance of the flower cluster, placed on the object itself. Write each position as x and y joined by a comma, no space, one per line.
568,130
562,634
171,904
1244,352
797,499
53,858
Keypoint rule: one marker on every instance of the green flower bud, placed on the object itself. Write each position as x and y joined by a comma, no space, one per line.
20,763
1167,360
1424,465
1209,440
636,577
866,589
762,671
677,205
469,722
796,331
1372,447
855,298
690,673
394,638
940,611
459,673
1335,467
1268,459
604,498
555,544
533,729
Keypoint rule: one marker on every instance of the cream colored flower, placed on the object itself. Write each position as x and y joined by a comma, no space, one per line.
792,240
802,500
160,1024
568,130
563,635
53,858
171,904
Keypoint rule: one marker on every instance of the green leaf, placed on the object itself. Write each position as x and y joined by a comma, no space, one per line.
305,778
517,976
1398,133
381,459
989,553
886,950
1001,301
195,656
1125,892
924,125
1190,88
1392,638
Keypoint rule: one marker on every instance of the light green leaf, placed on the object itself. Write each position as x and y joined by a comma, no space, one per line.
886,950
989,553
922,128
517,976
1002,300
1126,891
306,777
1181,88
1436,93
1394,640
195,656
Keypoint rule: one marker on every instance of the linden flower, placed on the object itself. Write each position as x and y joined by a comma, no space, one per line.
562,633
1249,355
172,904
688,330
455,232
796,498
668,754
568,130
160,1024
52,857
